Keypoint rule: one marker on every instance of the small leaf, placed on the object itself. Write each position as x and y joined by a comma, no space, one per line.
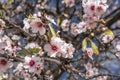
46,38
84,44
95,48
10,1
109,32
5,6
52,30
31,51
58,21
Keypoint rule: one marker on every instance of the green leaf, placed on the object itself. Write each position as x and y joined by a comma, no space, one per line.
31,51
95,48
84,44
109,32
10,1
52,30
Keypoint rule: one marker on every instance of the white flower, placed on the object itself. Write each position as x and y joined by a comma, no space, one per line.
54,47
4,64
69,50
89,52
82,26
35,45
37,26
75,29
102,78
33,64
65,25
91,21
94,8
107,38
69,3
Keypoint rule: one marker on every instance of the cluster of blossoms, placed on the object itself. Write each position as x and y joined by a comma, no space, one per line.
36,24
6,43
32,65
91,71
58,47
93,10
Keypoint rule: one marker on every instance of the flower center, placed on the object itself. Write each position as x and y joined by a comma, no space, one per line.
70,2
99,8
31,63
3,62
39,24
108,38
92,7
54,48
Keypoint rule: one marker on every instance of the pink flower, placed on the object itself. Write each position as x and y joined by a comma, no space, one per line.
82,26
54,47
107,38
102,78
4,64
37,26
69,3
69,50
75,29
89,52
65,25
33,64
94,8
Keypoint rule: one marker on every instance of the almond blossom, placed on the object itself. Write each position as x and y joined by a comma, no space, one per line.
82,26
89,52
57,47
4,64
91,71
35,24
65,25
33,64
69,3
107,38
69,50
75,29
54,47
96,8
